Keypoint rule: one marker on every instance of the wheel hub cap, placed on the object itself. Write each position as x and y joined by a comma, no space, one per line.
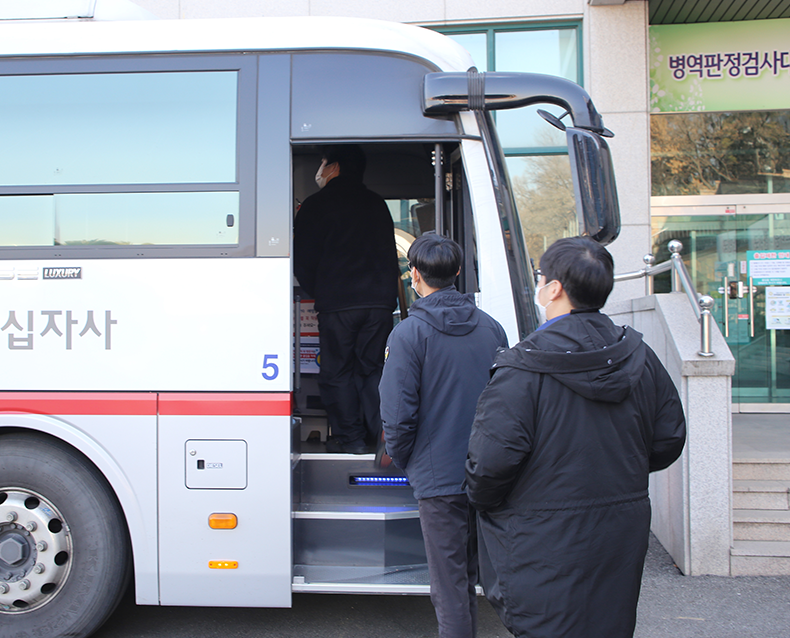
35,550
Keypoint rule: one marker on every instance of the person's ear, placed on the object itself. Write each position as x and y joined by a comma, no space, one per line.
554,289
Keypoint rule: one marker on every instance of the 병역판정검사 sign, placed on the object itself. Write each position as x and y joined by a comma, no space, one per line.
722,66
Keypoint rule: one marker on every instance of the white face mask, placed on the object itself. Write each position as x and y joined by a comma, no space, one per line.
319,179
541,308
413,286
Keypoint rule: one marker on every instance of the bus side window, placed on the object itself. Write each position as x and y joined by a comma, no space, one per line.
141,156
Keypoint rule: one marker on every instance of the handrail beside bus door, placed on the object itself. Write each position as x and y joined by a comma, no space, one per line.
438,196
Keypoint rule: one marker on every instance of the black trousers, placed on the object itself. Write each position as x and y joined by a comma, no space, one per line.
449,528
352,346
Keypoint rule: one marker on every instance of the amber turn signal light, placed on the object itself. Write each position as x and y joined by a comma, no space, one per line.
222,521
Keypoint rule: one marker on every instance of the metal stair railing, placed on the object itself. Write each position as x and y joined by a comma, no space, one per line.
701,304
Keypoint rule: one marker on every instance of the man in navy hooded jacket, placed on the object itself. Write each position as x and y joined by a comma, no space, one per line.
437,364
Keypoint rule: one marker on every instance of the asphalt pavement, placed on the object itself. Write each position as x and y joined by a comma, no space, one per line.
675,606
671,606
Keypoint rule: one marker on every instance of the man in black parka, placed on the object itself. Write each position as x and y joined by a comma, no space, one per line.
345,258
437,365
565,433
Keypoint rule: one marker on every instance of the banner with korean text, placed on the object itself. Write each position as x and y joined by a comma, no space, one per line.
722,66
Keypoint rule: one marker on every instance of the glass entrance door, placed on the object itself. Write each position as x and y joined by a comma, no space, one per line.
716,251
762,373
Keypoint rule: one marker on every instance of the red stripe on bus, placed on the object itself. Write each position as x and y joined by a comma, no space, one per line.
145,403
70,403
269,404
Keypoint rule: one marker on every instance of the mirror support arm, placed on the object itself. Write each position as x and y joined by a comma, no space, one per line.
445,93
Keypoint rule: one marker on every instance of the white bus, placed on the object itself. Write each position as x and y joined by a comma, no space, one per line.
159,415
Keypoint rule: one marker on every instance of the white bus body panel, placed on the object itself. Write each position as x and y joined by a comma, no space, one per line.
231,34
261,544
148,325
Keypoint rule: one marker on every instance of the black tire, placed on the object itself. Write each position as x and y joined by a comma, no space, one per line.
90,573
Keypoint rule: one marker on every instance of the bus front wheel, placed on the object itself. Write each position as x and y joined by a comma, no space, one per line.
64,548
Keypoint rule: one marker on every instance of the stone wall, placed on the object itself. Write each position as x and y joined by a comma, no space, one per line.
692,511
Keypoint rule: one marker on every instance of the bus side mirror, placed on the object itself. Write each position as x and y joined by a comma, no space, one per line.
597,207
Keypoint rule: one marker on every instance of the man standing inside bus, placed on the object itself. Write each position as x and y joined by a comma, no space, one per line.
437,365
345,258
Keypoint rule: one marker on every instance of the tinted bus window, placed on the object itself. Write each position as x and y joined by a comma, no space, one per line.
127,157
121,219
120,128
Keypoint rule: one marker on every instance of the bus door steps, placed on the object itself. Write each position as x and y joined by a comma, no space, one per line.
348,513
352,579
362,536
351,479
325,511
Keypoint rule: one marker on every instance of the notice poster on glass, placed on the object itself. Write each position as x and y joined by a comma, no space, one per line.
777,308
769,267
308,321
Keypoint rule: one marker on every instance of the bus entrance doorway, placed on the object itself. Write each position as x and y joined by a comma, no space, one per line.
356,525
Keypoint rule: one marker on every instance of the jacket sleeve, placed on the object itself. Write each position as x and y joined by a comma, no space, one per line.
400,395
669,426
502,338
308,246
502,436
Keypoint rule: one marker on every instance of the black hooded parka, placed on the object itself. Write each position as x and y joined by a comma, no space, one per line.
344,248
564,436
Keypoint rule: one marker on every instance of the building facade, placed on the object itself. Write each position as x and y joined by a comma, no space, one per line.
720,142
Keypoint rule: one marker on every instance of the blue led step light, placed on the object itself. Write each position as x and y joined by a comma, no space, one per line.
374,481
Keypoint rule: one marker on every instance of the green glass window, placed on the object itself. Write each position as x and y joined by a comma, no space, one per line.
720,153
549,51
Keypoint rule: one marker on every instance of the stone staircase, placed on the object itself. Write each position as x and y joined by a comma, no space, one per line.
761,517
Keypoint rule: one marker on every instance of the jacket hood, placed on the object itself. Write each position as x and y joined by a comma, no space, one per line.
447,310
585,352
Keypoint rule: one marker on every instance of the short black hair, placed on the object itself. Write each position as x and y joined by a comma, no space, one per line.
436,258
583,267
350,157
